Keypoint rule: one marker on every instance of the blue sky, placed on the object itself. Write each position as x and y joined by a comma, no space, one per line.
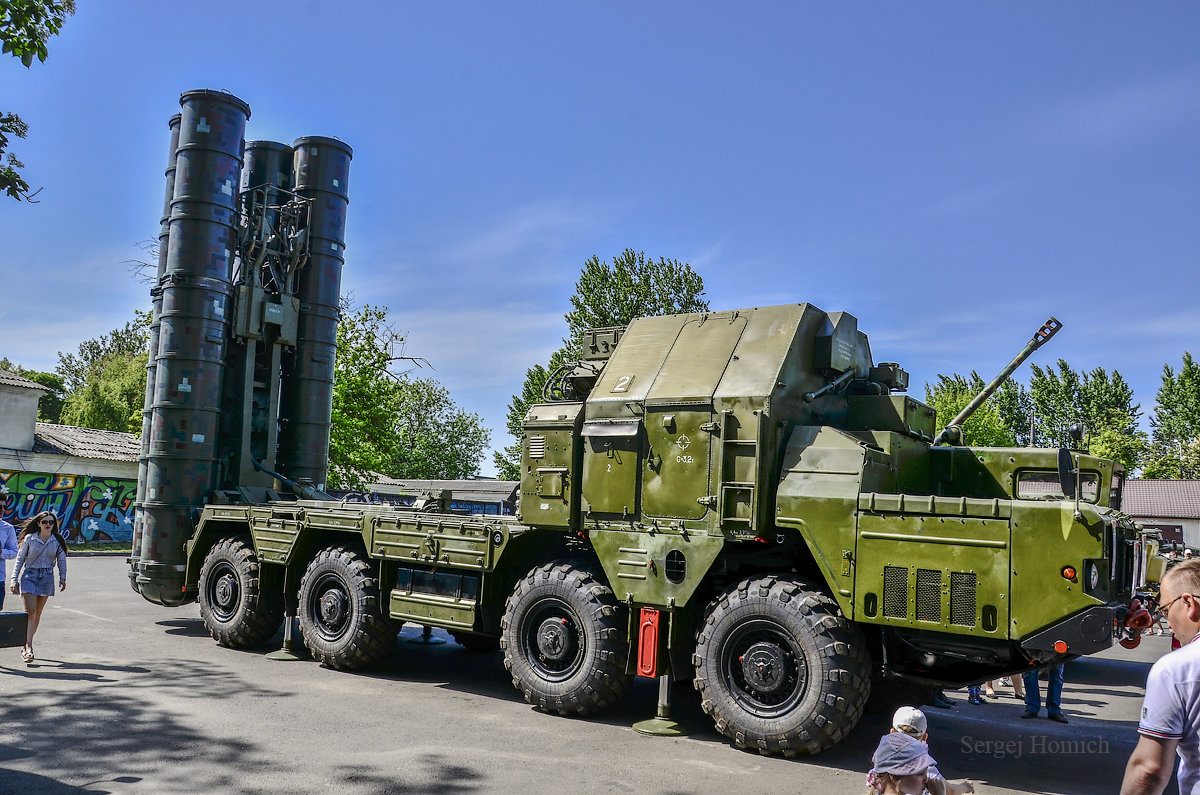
950,173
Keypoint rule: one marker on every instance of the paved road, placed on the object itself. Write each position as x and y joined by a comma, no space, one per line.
129,697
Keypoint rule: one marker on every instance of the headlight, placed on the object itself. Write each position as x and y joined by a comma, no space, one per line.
1093,576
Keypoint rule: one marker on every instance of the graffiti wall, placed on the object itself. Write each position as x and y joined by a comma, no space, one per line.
92,509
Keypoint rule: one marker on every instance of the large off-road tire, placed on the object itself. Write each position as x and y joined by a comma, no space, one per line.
341,619
235,609
779,669
562,636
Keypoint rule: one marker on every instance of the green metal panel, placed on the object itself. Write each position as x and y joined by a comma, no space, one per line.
611,467
435,540
765,344
549,465
1046,538
442,611
940,572
639,570
632,368
818,495
698,358
677,465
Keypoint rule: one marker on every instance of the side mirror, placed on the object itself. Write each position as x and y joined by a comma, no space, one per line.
1067,476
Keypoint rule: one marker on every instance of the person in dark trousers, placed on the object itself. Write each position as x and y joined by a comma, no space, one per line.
1033,695
41,548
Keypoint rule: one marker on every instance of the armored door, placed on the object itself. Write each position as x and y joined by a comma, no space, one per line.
676,481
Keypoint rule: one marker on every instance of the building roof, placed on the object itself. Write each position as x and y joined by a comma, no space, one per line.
482,489
85,442
12,379
1163,499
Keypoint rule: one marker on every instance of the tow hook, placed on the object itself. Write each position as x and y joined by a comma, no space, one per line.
1136,619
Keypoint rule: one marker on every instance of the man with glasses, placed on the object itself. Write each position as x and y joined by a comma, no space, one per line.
1170,723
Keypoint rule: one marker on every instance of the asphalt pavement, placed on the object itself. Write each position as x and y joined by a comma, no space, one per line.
129,697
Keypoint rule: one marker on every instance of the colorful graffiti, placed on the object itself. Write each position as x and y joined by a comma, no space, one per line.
90,509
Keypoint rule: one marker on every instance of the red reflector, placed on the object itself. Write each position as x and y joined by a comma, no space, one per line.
1060,646
1068,572
647,663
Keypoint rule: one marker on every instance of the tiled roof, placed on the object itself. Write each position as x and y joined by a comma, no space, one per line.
1166,499
12,379
85,442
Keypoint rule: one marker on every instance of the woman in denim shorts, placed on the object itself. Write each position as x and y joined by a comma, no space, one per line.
42,547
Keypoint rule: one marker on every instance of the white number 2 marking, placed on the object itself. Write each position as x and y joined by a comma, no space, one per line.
623,383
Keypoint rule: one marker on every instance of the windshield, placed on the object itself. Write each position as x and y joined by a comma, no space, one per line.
1044,485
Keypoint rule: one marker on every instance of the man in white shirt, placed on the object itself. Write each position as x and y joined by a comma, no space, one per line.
1170,723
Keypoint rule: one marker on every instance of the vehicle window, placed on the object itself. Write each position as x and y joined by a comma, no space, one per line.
1035,485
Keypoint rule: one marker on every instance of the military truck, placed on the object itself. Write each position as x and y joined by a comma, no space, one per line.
743,498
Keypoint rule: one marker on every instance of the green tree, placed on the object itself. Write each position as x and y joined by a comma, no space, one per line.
104,381
1175,447
1103,402
129,340
388,422
435,439
112,395
25,28
987,427
363,386
50,405
615,294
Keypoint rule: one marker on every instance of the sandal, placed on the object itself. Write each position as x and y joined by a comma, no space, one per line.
27,655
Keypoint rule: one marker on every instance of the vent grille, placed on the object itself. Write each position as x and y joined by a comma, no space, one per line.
895,592
929,595
537,447
962,598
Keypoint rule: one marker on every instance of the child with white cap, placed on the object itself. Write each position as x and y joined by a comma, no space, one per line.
912,722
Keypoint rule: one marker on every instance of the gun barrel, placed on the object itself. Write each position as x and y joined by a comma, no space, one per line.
1040,338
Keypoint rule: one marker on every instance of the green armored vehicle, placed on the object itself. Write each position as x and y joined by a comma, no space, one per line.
741,498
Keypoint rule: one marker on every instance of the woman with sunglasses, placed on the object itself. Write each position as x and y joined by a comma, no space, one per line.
42,547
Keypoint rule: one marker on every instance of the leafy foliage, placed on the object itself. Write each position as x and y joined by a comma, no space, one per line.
11,181
27,25
631,287
986,427
104,383
1103,402
25,28
127,341
112,394
435,439
615,294
388,422
1175,447
362,394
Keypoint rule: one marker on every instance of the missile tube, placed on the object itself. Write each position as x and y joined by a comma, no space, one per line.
152,359
193,328
321,169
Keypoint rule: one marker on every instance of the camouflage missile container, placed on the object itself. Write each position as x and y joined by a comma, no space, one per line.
745,499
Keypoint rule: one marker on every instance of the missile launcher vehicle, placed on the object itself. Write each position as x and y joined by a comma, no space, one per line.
742,498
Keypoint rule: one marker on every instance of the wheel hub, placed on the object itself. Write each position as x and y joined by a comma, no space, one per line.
225,591
555,640
333,608
765,666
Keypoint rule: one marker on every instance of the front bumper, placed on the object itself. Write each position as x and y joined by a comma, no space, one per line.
1083,633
